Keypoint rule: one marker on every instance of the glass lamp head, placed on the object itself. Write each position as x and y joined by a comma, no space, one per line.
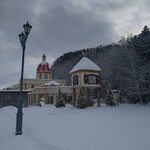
27,27
22,37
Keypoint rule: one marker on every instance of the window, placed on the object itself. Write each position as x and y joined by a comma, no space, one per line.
32,86
92,79
40,76
86,78
46,76
98,79
75,80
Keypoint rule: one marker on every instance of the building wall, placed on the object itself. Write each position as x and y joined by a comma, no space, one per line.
44,76
32,83
49,94
81,77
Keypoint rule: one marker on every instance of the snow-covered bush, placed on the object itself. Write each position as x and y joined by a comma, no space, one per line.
60,102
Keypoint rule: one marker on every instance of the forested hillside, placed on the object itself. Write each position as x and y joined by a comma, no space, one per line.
125,65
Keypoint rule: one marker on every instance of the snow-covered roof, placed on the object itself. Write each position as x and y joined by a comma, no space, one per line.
43,62
52,83
29,90
85,64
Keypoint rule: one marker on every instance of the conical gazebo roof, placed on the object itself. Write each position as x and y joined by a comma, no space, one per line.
85,64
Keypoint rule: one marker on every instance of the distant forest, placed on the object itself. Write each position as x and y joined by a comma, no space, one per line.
125,65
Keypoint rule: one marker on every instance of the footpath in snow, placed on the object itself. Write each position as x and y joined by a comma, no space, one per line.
124,127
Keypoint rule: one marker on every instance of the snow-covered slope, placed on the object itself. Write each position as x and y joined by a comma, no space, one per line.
124,127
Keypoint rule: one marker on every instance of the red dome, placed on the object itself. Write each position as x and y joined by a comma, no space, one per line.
43,67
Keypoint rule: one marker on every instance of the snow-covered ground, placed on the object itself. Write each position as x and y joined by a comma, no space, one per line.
124,127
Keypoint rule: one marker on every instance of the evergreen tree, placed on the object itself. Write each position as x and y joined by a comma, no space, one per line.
109,100
141,43
60,102
81,99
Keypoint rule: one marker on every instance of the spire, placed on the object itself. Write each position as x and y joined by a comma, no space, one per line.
43,57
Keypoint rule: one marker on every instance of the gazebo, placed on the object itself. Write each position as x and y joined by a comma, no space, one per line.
86,75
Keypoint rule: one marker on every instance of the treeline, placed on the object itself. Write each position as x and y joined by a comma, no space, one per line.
125,65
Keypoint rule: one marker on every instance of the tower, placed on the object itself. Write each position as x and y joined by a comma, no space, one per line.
43,70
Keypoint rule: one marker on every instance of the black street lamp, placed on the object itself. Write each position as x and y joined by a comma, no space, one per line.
23,38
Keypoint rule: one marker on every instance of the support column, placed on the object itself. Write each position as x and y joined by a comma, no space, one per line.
46,98
36,98
55,98
74,96
98,97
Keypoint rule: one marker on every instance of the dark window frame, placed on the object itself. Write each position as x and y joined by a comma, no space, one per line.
87,79
90,76
75,80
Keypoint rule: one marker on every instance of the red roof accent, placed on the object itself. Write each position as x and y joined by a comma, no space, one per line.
43,67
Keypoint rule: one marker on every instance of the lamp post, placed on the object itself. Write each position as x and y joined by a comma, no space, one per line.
23,38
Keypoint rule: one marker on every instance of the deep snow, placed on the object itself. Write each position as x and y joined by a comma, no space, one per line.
124,127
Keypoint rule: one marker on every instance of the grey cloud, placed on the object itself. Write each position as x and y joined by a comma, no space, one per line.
71,30
61,26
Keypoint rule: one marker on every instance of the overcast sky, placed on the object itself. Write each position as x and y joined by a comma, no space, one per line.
61,26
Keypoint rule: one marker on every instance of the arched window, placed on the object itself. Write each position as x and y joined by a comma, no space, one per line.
40,76
46,76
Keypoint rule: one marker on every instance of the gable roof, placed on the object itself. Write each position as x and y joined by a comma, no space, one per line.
51,83
85,64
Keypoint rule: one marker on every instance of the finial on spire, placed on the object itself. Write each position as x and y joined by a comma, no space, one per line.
44,57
